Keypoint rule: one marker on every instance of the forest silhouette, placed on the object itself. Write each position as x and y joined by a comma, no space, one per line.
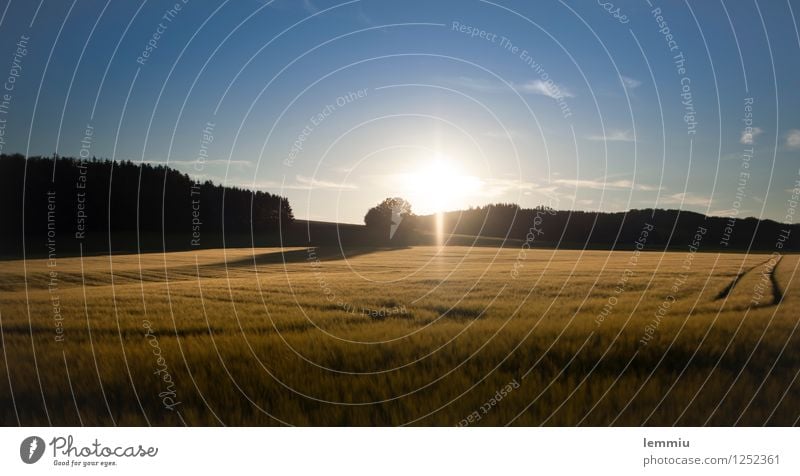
67,206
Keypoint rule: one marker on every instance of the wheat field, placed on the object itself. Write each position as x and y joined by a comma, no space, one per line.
413,336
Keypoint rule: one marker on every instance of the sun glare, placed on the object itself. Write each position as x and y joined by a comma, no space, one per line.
439,185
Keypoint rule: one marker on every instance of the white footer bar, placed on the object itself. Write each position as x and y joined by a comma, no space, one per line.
400,451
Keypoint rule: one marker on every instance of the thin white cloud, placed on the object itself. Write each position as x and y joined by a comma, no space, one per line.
496,187
301,183
748,137
549,89
476,84
606,185
793,139
629,82
364,18
309,7
686,198
269,185
314,183
613,136
730,212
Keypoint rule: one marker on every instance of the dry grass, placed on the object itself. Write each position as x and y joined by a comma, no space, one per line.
263,344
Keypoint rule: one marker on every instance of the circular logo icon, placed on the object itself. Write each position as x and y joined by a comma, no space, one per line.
31,449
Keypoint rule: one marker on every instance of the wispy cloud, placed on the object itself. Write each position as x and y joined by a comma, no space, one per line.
793,139
314,183
607,185
686,198
309,7
476,84
549,89
301,183
613,136
496,187
536,86
748,137
629,82
364,18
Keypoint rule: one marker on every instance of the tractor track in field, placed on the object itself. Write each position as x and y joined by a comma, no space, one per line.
727,290
777,294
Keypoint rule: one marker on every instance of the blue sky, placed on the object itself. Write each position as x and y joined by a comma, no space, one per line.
577,105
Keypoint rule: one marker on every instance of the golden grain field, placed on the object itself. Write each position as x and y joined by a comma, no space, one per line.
419,336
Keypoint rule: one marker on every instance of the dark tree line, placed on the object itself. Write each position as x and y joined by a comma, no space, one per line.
85,201
672,228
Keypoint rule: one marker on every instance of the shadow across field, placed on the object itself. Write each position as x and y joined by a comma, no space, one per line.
305,255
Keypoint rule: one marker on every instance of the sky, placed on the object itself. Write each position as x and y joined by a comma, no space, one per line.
586,105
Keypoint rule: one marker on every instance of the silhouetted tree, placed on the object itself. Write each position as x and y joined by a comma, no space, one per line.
384,220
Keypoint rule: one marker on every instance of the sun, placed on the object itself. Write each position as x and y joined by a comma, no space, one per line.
438,184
